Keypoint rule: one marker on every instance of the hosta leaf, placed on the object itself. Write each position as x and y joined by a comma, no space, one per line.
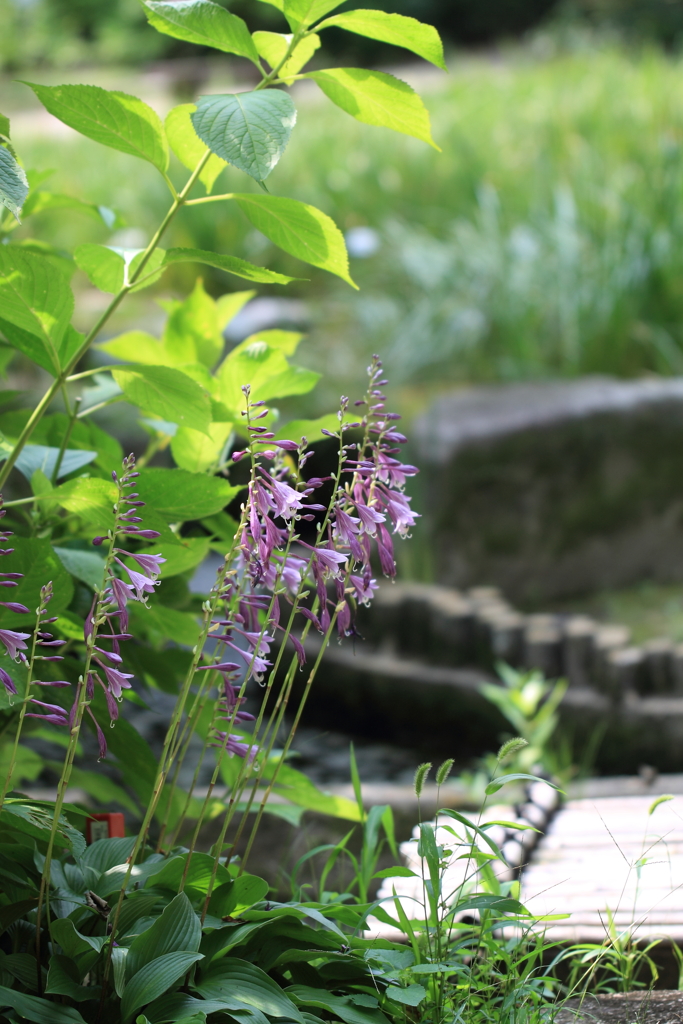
310,429
272,46
376,98
199,873
202,22
178,928
36,304
248,129
396,29
305,12
13,182
412,995
198,452
63,979
179,496
183,556
158,623
188,147
109,268
114,119
166,392
340,1006
35,820
155,979
39,1011
300,230
230,264
230,977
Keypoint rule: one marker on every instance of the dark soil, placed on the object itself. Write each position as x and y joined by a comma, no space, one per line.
664,1006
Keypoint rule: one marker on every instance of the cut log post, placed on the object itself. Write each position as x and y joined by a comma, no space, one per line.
543,645
607,639
486,616
577,649
452,628
625,668
507,638
658,676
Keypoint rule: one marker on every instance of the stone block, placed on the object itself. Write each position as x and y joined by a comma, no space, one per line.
550,489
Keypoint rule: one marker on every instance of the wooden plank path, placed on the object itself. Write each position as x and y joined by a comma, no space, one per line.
610,854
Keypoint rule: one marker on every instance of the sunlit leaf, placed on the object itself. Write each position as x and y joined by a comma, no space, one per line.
13,182
272,46
188,147
167,393
36,305
396,29
109,268
202,22
230,264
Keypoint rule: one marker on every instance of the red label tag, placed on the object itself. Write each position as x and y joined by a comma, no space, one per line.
104,826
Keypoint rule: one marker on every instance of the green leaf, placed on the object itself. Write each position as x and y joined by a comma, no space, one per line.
299,789
202,22
155,979
248,129
300,230
232,978
502,780
13,183
188,147
266,370
198,452
395,872
286,342
192,333
36,305
497,904
166,392
410,996
179,496
91,498
305,12
232,898
11,913
178,928
378,99
39,1011
138,347
86,566
36,559
183,556
40,200
35,819
101,788
4,126
159,623
104,854
396,29
39,457
340,1006
272,46
310,429
63,979
199,874
230,264
114,119
109,269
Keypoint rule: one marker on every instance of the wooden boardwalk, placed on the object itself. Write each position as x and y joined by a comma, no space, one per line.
610,854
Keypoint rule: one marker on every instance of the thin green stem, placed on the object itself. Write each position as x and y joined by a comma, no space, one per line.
59,381
91,373
22,713
73,416
210,199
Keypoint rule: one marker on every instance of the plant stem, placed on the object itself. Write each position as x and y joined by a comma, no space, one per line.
73,416
22,713
60,380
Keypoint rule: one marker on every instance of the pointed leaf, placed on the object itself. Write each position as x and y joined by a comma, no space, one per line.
396,29
41,457
188,147
300,230
166,392
90,498
36,559
13,182
378,99
192,333
232,978
86,566
63,979
202,22
248,129
155,979
114,119
36,304
178,495
340,1006
39,1011
109,269
305,12
230,264
310,429
138,347
198,452
178,928
412,995
273,46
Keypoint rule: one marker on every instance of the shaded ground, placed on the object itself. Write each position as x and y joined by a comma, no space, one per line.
660,1007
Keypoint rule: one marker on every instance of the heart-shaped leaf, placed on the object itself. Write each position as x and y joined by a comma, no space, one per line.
248,129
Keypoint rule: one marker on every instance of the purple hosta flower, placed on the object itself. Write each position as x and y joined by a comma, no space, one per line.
121,592
117,680
363,587
385,550
141,584
7,682
14,643
391,471
234,745
291,572
287,501
14,606
56,714
369,517
400,513
330,560
257,665
151,564
230,702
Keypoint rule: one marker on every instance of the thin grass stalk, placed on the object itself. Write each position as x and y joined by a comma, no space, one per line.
22,713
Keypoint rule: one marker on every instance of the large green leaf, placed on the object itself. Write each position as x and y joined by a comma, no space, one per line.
273,46
35,819
84,435
298,789
91,498
230,264
340,1006
300,230
166,392
41,200
114,119
248,129
36,559
202,22
39,1011
109,269
198,452
36,305
188,147
107,853
305,12
86,566
155,979
193,332
178,929
159,623
179,496
409,33
63,979
199,874
376,98
238,979
182,556
41,457
268,373
232,898
13,182
310,429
